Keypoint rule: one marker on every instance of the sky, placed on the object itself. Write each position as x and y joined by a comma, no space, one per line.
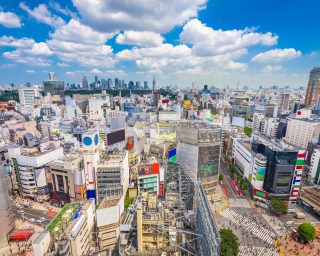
214,42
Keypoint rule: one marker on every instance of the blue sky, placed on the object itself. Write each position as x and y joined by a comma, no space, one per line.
215,42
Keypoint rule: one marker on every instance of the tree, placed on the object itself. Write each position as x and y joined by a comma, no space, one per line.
307,232
279,206
221,177
233,170
229,242
214,112
247,131
244,185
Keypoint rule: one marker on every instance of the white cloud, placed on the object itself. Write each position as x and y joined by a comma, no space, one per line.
236,66
18,56
276,55
39,49
143,38
137,15
14,42
62,65
10,20
270,69
95,71
57,7
31,71
43,15
76,32
8,65
207,41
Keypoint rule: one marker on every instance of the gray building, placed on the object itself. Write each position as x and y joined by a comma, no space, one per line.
200,145
53,87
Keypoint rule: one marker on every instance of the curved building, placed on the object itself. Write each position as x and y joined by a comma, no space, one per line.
6,214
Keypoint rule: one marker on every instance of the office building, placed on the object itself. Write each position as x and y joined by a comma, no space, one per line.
33,170
27,96
302,129
53,86
200,145
283,100
313,89
85,84
314,171
280,165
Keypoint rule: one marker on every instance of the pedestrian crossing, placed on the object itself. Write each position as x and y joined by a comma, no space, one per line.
241,203
248,224
257,251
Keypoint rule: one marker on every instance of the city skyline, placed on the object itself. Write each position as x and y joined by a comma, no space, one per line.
207,42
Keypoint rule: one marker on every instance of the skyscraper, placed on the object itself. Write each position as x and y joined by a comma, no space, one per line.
84,82
145,84
283,100
153,84
313,90
53,86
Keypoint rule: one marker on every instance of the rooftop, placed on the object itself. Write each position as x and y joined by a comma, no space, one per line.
109,202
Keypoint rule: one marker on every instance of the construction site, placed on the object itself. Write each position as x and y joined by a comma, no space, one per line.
179,223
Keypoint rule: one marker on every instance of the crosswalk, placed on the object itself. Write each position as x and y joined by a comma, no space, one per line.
257,251
254,228
242,203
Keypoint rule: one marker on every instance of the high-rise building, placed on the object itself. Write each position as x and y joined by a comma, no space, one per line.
27,95
302,129
85,82
313,90
53,86
145,84
283,100
199,145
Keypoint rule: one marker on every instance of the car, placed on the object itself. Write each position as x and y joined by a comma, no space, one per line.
19,206
32,220
39,221
21,211
42,218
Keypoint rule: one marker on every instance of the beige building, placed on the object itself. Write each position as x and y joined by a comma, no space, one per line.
302,129
108,223
67,175
148,218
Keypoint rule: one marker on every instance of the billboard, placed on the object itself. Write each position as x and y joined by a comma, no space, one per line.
130,142
147,169
172,155
116,137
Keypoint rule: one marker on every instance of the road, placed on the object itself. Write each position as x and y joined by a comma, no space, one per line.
30,213
227,180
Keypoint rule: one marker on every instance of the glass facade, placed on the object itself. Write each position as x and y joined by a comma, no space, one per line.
279,168
53,87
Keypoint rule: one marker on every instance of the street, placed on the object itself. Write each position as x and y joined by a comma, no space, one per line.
30,213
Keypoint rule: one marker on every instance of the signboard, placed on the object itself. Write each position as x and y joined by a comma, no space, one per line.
130,142
172,155
148,169
115,137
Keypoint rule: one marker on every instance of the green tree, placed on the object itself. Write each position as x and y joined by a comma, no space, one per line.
244,185
233,170
247,131
214,112
229,242
307,232
221,177
279,206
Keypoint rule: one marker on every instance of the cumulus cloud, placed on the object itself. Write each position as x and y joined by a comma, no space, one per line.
76,32
138,15
39,49
143,38
207,41
43,15
18,56
270,69
31,71
276,55
95,71
62,65
10,20
236,66
14,42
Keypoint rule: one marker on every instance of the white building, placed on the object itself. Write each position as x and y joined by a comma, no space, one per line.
302,129
314,172
32,170
27,95
172,116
